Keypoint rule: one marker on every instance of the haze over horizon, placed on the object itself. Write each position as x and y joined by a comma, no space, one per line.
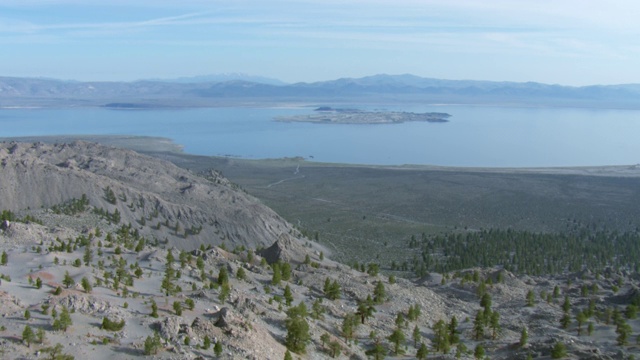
569,43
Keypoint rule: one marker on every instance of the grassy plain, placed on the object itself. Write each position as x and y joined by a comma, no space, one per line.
368,212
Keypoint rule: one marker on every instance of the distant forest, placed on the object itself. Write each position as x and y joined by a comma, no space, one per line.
524,252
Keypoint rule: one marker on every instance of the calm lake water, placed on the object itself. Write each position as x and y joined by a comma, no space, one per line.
475,135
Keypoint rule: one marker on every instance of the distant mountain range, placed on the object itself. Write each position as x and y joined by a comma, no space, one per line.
222,78
238,89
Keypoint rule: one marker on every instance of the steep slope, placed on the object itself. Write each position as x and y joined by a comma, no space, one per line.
158,198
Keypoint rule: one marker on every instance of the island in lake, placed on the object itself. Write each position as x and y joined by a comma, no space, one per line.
328,115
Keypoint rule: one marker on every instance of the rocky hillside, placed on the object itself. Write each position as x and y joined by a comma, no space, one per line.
121,186
59,284
76,283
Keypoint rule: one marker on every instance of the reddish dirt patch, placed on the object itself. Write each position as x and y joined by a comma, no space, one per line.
43,275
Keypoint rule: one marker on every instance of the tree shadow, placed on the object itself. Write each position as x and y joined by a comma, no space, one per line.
128,351
12,338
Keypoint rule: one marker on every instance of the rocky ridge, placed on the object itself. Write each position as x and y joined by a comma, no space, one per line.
157,197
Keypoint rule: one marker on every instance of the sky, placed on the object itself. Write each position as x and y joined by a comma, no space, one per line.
568,42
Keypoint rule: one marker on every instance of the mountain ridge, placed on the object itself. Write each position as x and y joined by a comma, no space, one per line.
376,88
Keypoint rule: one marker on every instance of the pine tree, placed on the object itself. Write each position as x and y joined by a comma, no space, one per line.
223,276
379,293
88,254
287,355
40,336
565,320
624,332
110,196
177,307
152,344
461,349
581,318
416,336
566,305
63,322
335,348
225,291
86,285
485,301
317,309
413,313
558,351
478,326
325,338
365,309
167,282
495,325
285,270
397,338
524,337
190,303
441,337
479,352
531,298
277,275
154,309
288,296
631,312
68,280
240,274
297,329
28,336
378,351
423,352
327,285
400,321
349,324
4,259
454,338
331,289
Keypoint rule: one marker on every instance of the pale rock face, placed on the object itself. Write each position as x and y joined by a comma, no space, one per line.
197,210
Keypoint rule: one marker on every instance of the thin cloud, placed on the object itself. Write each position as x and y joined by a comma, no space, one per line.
27,27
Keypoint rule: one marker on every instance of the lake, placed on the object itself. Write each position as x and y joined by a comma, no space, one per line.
475,136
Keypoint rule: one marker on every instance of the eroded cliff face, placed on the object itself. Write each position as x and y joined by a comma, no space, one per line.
153,195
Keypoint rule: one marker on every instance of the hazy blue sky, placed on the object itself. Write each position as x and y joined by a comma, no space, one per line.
573,42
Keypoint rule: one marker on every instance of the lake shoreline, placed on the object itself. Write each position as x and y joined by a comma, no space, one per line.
167,148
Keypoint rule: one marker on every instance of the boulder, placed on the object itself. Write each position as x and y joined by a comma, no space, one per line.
168,328
286,249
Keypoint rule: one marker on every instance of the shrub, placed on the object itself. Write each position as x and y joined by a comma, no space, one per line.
559,351
190,304
152,344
